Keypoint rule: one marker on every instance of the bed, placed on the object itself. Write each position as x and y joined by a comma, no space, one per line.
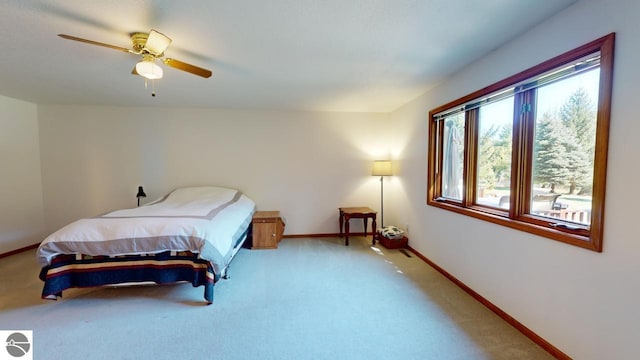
190,234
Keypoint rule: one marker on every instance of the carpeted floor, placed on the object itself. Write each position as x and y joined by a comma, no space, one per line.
309,299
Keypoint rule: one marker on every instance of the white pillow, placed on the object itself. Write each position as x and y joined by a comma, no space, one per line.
392,232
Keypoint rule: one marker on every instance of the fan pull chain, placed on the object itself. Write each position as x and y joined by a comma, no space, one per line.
153,86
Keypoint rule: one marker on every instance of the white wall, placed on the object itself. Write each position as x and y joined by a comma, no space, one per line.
583,302
21,212
308,164
305,164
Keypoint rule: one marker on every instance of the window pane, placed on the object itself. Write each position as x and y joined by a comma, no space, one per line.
564,148
493,166
453,156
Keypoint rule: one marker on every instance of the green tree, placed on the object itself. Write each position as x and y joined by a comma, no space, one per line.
550,152
565,144
487,157
578,115
502,165
494,155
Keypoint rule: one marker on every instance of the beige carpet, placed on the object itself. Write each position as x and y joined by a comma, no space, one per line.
309,299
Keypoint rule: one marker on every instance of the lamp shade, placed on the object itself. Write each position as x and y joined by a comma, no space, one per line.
140,192
149,69
382,168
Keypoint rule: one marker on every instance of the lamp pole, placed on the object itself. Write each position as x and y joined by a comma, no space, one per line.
382,168
381,201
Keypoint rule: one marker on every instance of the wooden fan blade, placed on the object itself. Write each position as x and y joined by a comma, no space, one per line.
187,67
69,37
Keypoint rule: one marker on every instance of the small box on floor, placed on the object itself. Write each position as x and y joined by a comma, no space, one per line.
398,243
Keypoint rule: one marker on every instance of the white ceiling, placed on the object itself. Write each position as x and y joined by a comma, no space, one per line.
322,55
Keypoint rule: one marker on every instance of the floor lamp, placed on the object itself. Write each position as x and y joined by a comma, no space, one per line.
382,168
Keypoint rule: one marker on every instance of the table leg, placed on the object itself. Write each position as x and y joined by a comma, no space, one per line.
346,231
341,221
373,230
365,220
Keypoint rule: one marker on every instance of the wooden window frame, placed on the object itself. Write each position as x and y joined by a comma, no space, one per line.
518,216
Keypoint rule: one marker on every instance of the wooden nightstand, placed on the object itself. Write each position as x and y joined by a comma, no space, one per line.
267,229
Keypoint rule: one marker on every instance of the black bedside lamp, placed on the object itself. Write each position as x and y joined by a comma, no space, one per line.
140,194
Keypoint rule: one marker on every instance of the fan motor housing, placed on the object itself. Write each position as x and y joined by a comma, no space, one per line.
139,40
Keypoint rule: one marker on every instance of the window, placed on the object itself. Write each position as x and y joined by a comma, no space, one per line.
530,151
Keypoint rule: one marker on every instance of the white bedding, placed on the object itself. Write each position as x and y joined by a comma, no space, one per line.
206,220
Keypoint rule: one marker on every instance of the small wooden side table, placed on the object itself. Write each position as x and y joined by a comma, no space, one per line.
348,213
267,229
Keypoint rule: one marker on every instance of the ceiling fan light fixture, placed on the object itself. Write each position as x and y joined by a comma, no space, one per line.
149,69
151,47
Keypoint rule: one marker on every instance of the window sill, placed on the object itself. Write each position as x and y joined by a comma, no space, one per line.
532,225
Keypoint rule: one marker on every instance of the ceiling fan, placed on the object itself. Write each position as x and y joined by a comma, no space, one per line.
150,47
